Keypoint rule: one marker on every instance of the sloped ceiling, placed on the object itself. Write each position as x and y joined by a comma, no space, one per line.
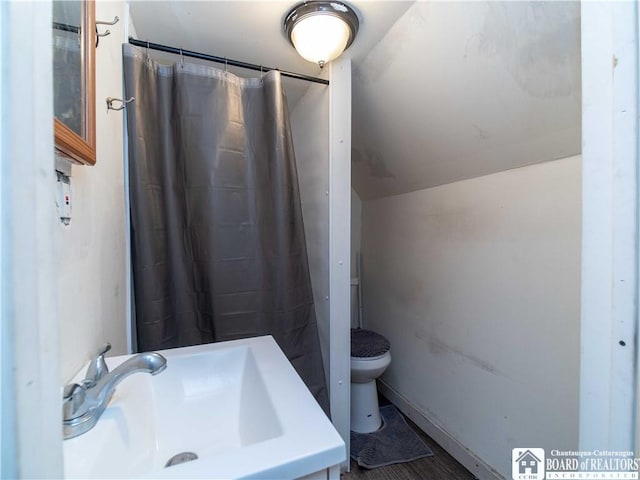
442,91
459,90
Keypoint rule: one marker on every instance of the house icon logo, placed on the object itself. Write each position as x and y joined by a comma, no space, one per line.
527,463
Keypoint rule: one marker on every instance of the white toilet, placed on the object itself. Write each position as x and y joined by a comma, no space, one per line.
370,357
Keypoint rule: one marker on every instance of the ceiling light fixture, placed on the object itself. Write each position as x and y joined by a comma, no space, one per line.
320,31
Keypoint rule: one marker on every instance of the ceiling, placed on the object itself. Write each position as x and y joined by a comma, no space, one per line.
457,90
442,91
251,31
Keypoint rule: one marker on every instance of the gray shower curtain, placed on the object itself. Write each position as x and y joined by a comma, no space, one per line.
218,247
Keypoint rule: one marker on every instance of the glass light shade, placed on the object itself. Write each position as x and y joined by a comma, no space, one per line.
320,38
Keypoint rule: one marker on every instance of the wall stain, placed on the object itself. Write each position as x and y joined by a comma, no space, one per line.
479,133
538,43
374,160
437,347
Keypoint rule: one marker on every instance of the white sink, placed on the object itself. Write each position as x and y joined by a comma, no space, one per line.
239,406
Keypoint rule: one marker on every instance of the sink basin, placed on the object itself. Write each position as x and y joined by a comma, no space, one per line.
239,406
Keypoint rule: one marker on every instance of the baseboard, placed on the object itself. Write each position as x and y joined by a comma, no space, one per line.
458,451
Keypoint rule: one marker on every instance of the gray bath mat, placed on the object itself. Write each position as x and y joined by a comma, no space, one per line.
394,442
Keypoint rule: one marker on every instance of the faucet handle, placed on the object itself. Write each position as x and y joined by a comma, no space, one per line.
73,401
97,367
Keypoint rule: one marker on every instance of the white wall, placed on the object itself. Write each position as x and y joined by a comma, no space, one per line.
310,130
91,250
477,286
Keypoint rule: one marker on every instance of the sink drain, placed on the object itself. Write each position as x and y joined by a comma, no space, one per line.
179,458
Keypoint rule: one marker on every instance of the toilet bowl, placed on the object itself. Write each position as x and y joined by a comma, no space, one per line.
370,357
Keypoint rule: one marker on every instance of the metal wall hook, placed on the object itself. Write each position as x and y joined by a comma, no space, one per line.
111,100
116,19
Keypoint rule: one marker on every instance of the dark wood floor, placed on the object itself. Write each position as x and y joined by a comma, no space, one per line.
441,466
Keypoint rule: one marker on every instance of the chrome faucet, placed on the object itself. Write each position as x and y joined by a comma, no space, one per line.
83,404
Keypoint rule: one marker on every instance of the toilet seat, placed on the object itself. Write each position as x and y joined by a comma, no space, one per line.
368,359
367,344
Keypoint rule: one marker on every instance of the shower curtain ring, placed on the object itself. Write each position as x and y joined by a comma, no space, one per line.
147,47
181,59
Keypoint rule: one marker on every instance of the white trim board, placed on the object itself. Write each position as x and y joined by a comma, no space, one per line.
7,407
29,294
340,248
637,358
130,327
458,451
609,324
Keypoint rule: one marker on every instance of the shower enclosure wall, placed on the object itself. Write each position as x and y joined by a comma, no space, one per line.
321,127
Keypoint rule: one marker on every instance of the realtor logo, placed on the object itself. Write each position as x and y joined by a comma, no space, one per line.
527,463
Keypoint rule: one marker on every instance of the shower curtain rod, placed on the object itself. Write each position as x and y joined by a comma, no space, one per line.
226,61
66,28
